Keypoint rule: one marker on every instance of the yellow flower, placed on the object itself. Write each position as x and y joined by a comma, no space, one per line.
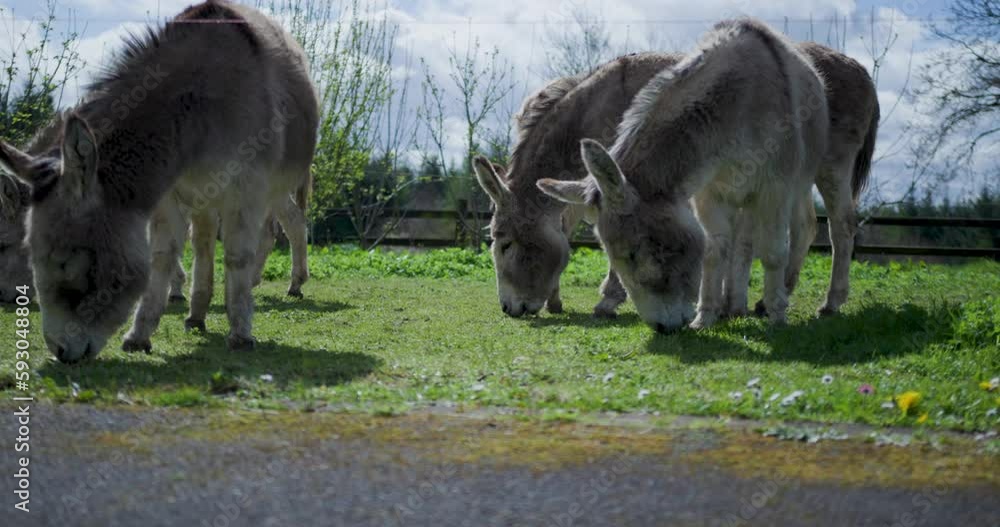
907,400
923,418
986,386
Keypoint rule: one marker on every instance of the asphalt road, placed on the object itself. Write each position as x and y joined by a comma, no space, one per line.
111,467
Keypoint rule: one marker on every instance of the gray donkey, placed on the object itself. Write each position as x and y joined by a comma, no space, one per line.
551,123
741,123
14,257
216,106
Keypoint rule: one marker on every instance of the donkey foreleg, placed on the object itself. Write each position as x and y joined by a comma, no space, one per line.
293,220
802,233
167,230
771,238
717,219
177,284
264,249
204,232
741,261
241,230
613,295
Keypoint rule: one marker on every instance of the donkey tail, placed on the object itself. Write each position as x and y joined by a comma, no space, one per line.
304,193
863,163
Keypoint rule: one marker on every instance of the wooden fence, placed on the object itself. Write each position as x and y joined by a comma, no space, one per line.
860,248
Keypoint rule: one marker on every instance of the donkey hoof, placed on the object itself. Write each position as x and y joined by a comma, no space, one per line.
760,310
192,324
704,320
827,311
735,312
556,308
296,294
604,314
178,299
239,344
137,345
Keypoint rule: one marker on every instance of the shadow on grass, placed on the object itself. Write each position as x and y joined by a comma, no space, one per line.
271,303
287,365
873,333
584,320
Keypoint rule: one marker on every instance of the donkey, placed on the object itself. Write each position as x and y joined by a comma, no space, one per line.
531,247
216,107
741,123
854,113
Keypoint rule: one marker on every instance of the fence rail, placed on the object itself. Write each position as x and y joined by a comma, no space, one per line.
860,248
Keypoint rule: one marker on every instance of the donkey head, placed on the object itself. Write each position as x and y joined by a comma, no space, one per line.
655,246
529,249
90,256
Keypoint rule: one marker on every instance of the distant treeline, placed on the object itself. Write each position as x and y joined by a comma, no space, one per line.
985,205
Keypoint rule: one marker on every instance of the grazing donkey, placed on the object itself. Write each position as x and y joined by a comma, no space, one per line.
531,248
216,107
854,119
741,123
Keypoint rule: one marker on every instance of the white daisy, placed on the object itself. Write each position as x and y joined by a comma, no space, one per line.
792,398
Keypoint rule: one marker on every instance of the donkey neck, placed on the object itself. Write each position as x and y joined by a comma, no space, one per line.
592,110
140,156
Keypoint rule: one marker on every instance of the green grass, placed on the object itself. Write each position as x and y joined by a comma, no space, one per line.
384,332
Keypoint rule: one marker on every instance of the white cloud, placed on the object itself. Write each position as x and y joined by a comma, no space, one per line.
428,28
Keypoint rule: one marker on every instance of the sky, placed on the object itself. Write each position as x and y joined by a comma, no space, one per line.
518,27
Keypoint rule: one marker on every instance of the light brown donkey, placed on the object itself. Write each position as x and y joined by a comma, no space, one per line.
216,106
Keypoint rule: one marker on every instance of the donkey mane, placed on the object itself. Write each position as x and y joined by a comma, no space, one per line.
537,107
643,111
140,47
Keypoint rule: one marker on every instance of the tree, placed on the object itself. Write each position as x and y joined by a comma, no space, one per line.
577,45
961,86
365,126
34,73
480,82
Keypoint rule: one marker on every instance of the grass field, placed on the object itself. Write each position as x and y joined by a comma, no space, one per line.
387,332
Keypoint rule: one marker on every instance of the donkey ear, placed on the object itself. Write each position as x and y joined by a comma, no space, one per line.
491,182
16,162
572,192
80,158
500,170
605,170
